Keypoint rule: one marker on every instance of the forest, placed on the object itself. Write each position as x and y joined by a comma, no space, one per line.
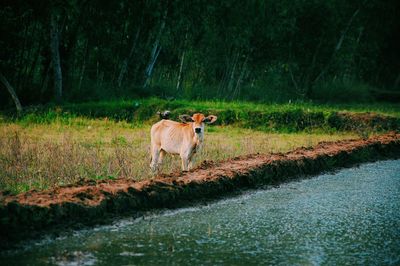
257,50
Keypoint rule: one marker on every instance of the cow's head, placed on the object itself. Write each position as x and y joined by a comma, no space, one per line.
198,121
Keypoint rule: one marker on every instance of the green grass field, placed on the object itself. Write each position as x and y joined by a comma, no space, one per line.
51,146
278,118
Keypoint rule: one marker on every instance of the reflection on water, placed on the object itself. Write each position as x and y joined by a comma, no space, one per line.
350,217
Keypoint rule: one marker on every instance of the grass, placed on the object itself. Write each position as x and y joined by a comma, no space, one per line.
140,110
44,155
48,146
287,118
386,109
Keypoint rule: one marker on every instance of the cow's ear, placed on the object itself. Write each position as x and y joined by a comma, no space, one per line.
185,118
210,119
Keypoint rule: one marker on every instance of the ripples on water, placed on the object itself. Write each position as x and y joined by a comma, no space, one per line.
350,217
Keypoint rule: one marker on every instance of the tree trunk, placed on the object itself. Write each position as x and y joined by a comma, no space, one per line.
55,57
179,83
296,87
233,72
83,68
180,76
396,82
155,51
12,92
243,71
124,67
30,61
35,62
228,75
338,46
45,80
306,88
19,71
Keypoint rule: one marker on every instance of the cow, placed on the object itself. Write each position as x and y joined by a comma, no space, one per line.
164,115
173,137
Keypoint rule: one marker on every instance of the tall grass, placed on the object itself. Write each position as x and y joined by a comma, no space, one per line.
46,155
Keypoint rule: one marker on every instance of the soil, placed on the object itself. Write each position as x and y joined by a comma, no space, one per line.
89,201
363,121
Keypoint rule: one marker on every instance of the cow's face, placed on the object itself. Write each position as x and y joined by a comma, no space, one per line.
198,121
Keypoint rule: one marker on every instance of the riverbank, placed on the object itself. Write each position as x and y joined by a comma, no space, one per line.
89,202
347,217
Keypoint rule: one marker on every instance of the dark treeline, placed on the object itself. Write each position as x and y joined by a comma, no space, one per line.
264,50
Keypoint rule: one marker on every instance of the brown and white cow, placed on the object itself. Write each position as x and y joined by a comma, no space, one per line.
173,137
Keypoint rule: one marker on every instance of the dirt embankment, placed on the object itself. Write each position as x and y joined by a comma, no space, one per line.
363,121
88,202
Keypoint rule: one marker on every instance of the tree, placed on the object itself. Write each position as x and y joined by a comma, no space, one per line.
155,52
12,93
55,54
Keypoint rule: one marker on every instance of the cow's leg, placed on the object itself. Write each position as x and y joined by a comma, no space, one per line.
191,161
185,162
155,154
187,159
161,157
190,165
193,155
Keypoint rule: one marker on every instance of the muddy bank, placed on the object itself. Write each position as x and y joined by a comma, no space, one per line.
89,202
346,121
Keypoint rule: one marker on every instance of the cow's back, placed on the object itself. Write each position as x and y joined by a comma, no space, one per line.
169,135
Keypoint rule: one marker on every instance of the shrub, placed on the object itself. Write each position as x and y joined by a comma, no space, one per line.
342,91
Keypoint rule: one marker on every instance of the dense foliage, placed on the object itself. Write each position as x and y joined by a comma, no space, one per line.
262,50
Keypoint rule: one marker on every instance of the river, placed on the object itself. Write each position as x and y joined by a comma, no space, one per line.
351,217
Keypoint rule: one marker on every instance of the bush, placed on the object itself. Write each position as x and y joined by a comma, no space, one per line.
268,117
342,91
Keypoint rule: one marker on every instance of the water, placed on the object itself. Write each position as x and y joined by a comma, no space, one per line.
351,217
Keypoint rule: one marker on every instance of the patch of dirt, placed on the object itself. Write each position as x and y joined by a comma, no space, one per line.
88,201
